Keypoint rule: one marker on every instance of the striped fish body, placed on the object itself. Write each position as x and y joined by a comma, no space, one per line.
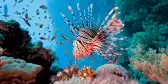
88,41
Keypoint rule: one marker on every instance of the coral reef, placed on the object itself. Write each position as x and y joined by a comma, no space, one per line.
71,71
105,74
44,57
152,64
39,51
145,20
16,43
14,40
17,71
146,24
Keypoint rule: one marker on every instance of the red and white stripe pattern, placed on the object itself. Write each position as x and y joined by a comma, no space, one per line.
106,18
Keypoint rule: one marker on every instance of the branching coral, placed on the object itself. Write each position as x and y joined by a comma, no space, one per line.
17,71
86,72
69,72
152,64
106,74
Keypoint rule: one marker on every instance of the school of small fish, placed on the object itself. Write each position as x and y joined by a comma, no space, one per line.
30,20
24,15
90,37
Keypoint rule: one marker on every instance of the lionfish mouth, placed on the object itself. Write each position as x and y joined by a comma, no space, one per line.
92,37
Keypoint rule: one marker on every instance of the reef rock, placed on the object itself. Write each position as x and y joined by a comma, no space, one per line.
17,71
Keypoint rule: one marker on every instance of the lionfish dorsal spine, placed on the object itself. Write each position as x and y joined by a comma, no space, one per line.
106,18
85,17
73,15
68,22
113,18
80,15
88,20
91,18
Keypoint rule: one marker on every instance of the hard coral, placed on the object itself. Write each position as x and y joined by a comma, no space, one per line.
15,39
16,43
40,52
17,71
112,69
87,72
14,80
67,73
106,74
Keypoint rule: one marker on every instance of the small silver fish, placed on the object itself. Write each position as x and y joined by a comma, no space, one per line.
15,3
19,1
31,1
43,7
26,21
6,11
18,13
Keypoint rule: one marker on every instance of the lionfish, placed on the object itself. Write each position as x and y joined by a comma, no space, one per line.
91,37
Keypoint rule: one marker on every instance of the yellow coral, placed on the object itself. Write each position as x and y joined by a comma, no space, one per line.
86,72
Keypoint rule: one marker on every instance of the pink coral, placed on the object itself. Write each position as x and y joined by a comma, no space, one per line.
106,74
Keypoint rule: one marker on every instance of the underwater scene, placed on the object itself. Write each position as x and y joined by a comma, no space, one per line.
83,41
